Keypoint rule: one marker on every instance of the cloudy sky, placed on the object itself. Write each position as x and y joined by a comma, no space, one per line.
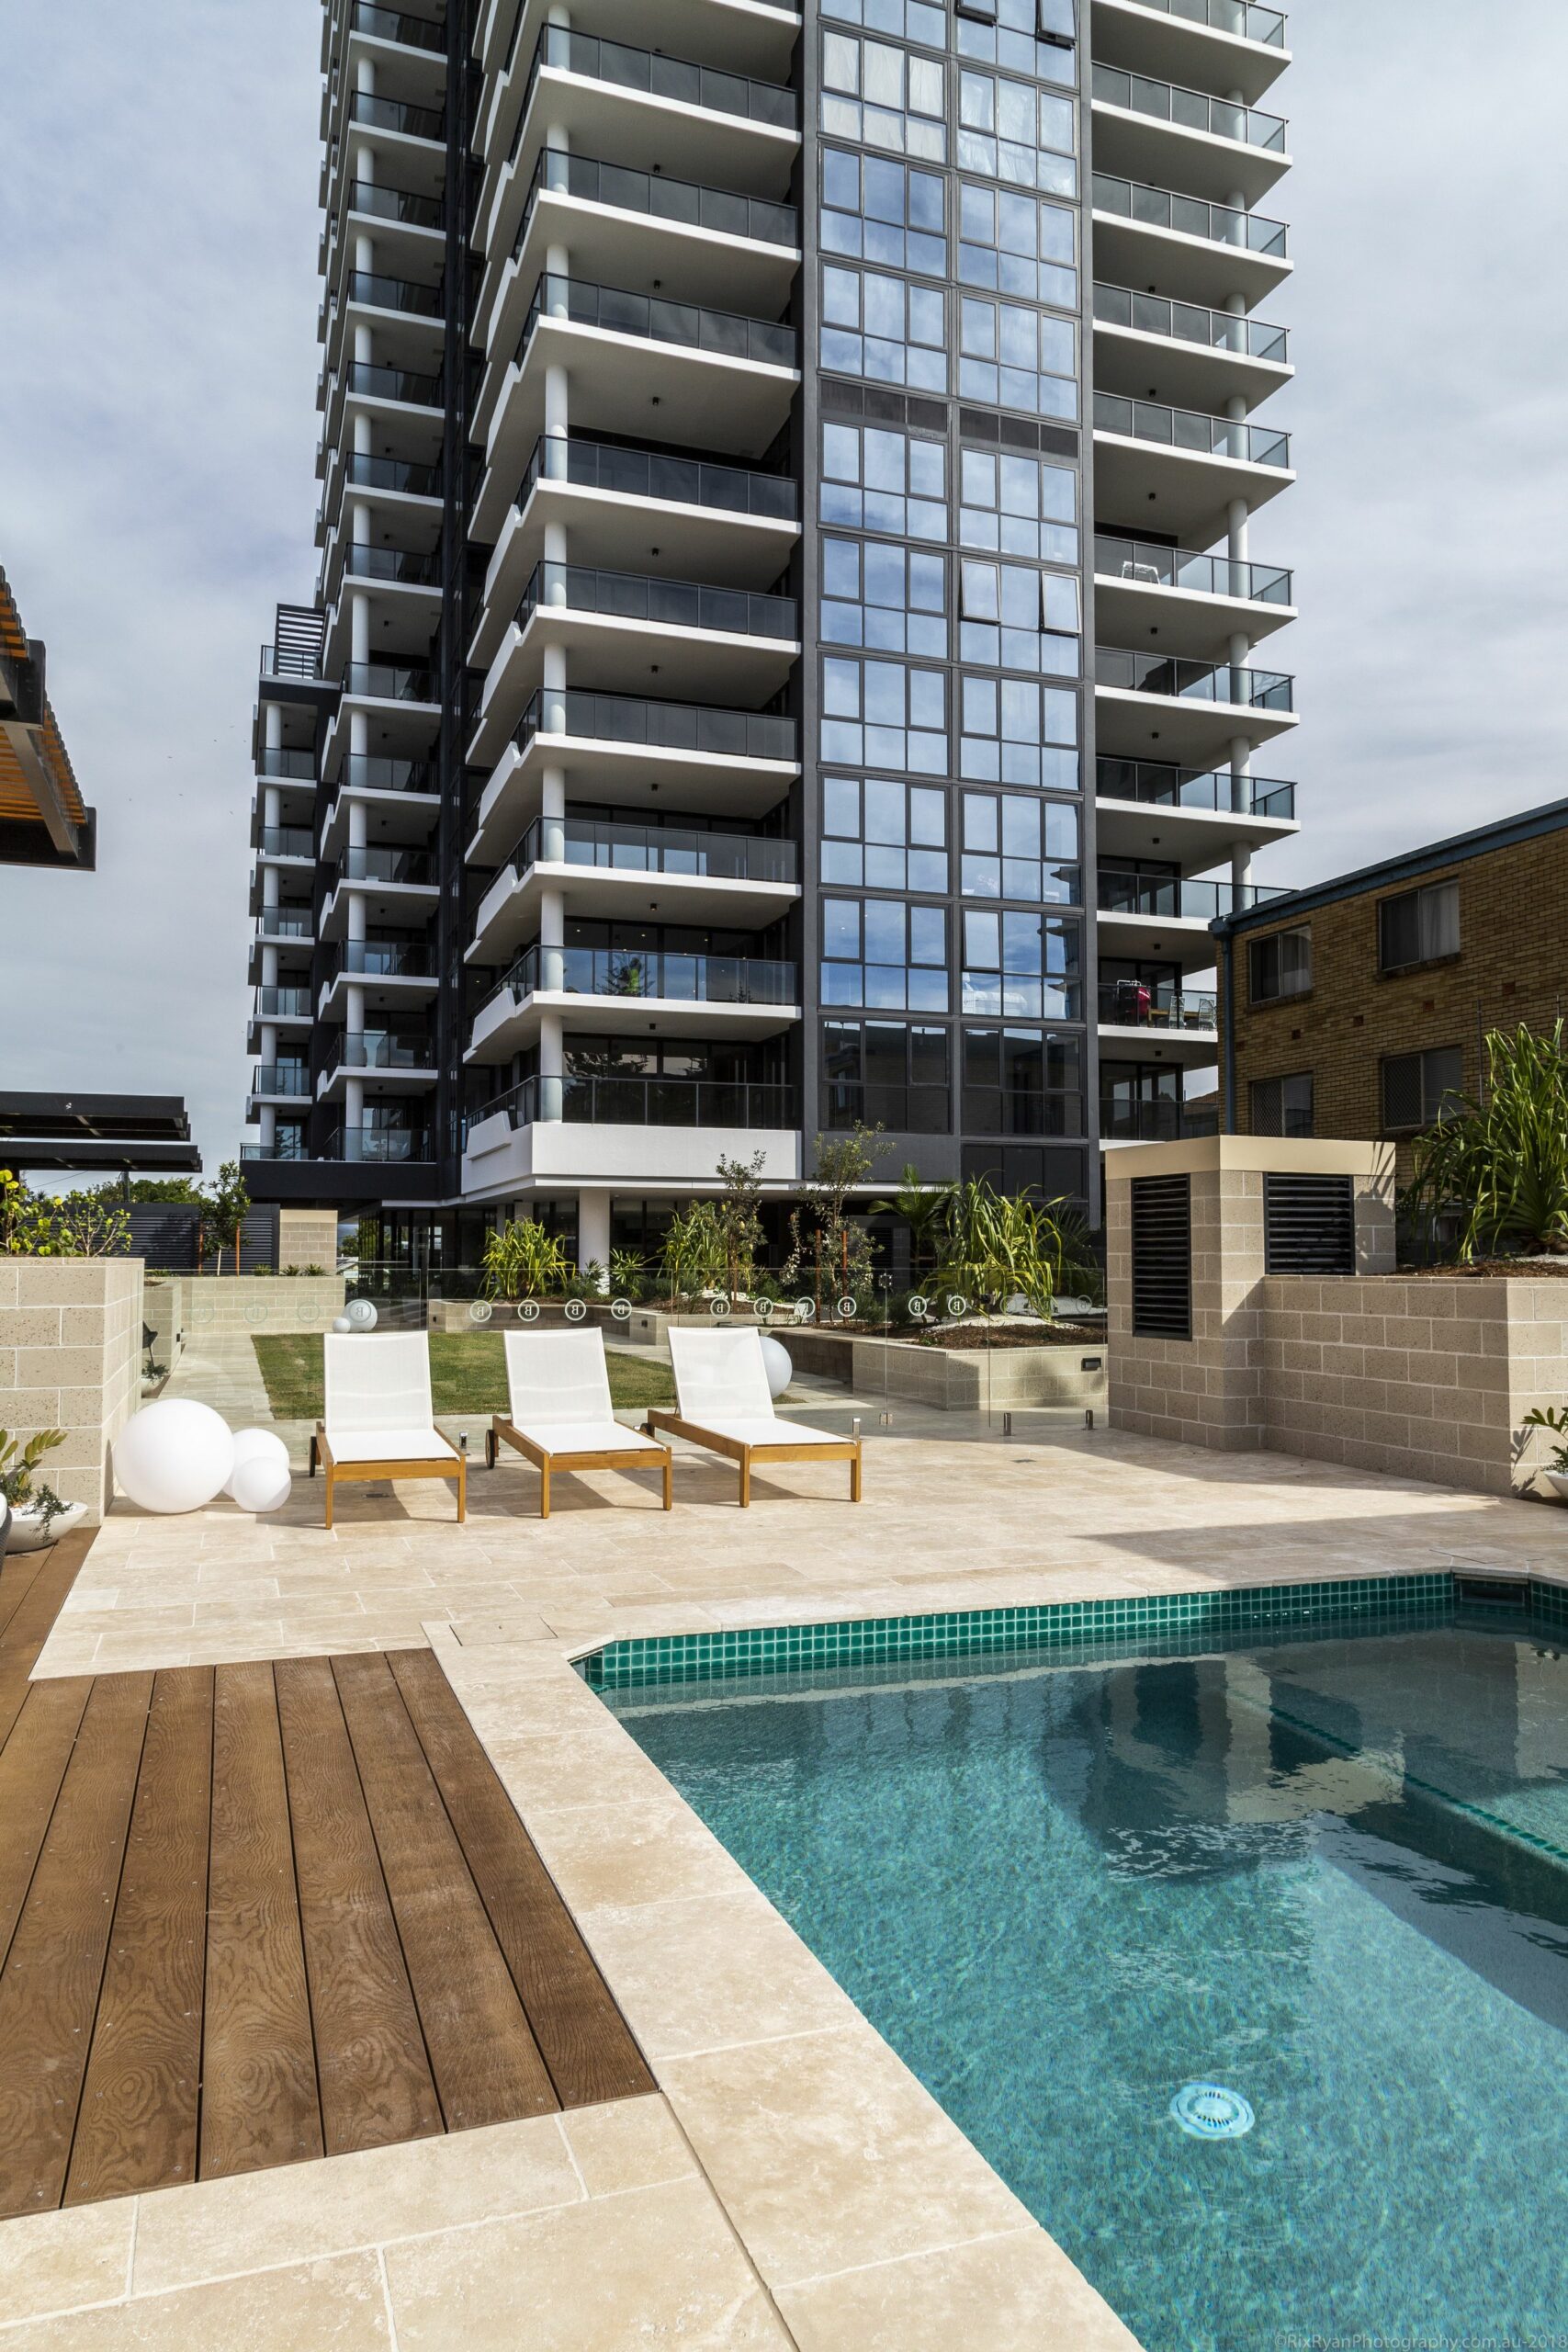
157,380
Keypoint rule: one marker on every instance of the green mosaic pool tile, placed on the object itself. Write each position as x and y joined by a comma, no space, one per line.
1549,1603
798,1649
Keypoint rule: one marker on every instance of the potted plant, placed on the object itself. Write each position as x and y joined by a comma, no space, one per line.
1555,1419
37,1515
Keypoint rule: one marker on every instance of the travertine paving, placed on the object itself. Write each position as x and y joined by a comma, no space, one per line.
804,2187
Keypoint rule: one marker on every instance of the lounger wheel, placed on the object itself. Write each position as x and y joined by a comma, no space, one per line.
314,1457
491,1449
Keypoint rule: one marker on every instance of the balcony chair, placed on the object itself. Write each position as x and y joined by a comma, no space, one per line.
725,1405
560,1414
380,1419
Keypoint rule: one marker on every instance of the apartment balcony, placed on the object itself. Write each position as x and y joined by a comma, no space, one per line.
757,37
620,992
1193,710
406,315
1168,915
290,932
726,381
395,489
290,847
709,521
1168,136
393,976
1183,352
391,885
615,747
1194,820
408,225
616,624
1228,45
716,244
662,874
1184,465
1164,1119
1197,603
728,130
1209,251
400,699
275,764
659,1132
276,1007
1157,1023
387,1062
281,1086
401,799
404,589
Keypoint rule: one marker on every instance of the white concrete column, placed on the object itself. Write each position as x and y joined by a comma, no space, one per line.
555,690
593,1229
552,939
359,634
268,1120
557,402
557,265
272,724
552,1064
552,845
555,582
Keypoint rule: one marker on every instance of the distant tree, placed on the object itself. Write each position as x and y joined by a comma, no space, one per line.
224,1208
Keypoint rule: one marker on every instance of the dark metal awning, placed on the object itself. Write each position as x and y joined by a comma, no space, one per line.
116,1132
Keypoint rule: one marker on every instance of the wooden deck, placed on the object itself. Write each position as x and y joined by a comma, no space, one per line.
256,1913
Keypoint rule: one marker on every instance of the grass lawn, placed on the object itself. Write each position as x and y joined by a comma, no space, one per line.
468,1374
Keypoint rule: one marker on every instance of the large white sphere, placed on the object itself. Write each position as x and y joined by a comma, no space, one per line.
361,1314
175,1455
342,1323
262,1482
256,1445
776,1361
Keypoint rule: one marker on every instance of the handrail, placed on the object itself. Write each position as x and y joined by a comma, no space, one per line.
1188,109
284,841
1171,788
379,1049
282,1005
643,1101
285,922
1190,216
670,603
685,202
401,294
1209,575
1174,898
606,844
387,682
1246,21
385,863
396,114
362,559
1160,673
396,204
648,74
391,23
665,725
387,1147
691,326
364,472
1119,306
373,772
280,1078
374,380
385,959
1142,1004
295,767
1193,429
658,974
649,473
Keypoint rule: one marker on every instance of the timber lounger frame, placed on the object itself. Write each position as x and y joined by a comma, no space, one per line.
379,1420
560,1416
726,1406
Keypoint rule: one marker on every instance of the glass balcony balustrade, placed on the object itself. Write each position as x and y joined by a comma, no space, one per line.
1153,673
1190,216
1188,109
663,726
1192,430
1172,787
643,1103
690,325
683,203
608,844
1147,566
662,973
682,605
648,74
1119,306
649,473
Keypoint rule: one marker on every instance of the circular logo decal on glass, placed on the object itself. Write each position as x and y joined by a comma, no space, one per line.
762,1308
576,1310
719,1305
529,1311
1210,2111
956,1302
806,1310
919,1308
846,1308
479,1310
621,1309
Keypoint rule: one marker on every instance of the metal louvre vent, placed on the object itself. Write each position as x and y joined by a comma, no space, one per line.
1162,1256
1309,1226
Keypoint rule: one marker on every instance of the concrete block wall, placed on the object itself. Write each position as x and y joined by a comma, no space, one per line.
214,1305
71,1358
1426,1377
307,1238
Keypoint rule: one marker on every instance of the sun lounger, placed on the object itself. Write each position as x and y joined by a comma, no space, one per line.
561,1416
379,1420
725,1405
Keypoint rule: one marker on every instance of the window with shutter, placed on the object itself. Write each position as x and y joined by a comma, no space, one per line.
1309,1224
1162,1256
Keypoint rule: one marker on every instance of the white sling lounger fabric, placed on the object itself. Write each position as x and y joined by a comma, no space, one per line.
721,1382
559,1383
378,1398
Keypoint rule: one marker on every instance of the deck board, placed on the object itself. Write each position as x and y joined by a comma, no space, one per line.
256,1912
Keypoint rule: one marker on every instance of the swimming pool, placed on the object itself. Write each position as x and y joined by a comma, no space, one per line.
1326,1873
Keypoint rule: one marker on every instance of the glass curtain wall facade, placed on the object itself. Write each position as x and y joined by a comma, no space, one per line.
783,653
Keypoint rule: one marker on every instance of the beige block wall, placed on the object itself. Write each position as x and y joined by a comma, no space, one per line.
1424,1378
71,1358
307,1238
209,1305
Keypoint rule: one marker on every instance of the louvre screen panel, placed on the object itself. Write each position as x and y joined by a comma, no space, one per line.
1162,1256
1309,1226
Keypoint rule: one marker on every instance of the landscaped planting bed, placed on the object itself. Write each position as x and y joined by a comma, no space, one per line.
468,1374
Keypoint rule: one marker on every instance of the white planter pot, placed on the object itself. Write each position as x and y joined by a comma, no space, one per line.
1558,1481
27,1529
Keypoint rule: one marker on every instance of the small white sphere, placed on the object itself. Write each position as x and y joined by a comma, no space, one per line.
256,1445
776,1361
262,1484
361,1315
342,1323
173,1456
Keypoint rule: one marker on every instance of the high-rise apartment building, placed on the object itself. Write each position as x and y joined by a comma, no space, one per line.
786,646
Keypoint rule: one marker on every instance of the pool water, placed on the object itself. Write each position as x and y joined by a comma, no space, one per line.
1329,1876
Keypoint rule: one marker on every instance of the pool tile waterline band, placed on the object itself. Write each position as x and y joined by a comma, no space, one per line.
1431,1594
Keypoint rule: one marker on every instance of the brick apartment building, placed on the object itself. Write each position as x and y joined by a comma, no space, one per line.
1354,1008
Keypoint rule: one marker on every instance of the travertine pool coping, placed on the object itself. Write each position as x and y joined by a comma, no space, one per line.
791,2181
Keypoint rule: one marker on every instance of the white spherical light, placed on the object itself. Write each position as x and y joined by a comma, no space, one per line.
175,1455
361,1315
256,1445
777,1364
342,1323
262,1482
